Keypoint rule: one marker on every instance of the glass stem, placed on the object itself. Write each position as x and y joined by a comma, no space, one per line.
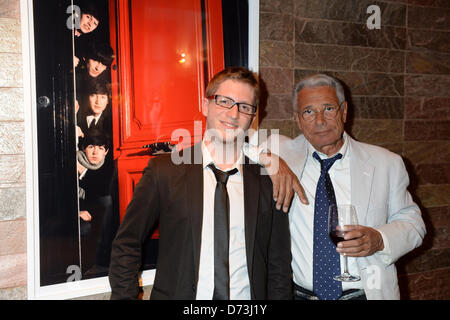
345,265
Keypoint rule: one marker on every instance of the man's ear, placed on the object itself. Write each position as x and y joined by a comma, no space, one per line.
205,106
297,120
344,111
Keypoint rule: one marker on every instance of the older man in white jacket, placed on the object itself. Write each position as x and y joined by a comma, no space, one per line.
371,178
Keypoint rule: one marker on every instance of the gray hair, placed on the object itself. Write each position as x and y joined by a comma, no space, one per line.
319,80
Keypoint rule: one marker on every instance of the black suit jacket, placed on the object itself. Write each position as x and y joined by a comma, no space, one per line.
173,195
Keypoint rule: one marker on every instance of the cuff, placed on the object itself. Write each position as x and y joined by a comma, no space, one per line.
385,254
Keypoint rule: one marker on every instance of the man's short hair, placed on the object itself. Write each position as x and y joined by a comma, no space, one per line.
238,74
101,52
98,86
319,80
95,137
88,7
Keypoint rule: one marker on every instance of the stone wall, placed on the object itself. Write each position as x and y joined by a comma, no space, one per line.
12,156
399,82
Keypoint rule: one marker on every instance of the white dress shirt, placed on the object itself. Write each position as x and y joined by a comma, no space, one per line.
91,118
301,217
239,280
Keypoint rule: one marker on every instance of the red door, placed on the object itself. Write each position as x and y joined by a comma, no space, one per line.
165,54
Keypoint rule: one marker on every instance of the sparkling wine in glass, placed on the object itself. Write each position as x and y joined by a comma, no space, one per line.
340,216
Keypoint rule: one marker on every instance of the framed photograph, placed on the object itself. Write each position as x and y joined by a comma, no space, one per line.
106,83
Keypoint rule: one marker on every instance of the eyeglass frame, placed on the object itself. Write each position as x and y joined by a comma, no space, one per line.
316,112
214,97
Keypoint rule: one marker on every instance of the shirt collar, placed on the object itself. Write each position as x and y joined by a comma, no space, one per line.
344,150
207,159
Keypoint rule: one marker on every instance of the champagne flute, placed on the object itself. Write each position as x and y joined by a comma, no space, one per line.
339,216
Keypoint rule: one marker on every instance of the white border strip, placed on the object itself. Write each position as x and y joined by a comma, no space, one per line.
88,287
31,162
253,35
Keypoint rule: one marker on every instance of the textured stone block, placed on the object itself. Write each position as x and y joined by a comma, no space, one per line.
427,85
13,203
427,108
17,293
430,3
376,131
419,152
438,173
12,135
279,106
430,285
376,108
427,130
423,259
428,18
349,34
276,54
434,195
10,41
329,57
13,237
276,80
392,14
429,39
277,6
11,66
427,61
274,26
11,104
285,127
13,269
12,170
10,9
438,216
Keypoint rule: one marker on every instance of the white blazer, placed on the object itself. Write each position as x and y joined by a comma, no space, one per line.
378,190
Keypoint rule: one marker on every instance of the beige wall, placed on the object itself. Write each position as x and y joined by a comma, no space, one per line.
12,156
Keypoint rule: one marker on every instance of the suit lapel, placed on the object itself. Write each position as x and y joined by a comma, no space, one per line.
251,204
361,172
193,176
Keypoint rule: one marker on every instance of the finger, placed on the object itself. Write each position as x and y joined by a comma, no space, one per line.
350,244
281,193
352,251
288,198
354,234
276,187
300,191
351,227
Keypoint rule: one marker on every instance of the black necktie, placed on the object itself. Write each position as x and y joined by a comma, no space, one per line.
326,261
221,235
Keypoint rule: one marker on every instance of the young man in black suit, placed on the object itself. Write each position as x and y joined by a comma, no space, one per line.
95,109
186,200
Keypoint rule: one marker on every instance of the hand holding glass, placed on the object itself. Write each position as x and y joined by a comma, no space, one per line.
340,216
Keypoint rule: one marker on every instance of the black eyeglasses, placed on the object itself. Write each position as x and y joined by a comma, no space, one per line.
229,103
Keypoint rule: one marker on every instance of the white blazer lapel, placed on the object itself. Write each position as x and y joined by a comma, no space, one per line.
361,172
